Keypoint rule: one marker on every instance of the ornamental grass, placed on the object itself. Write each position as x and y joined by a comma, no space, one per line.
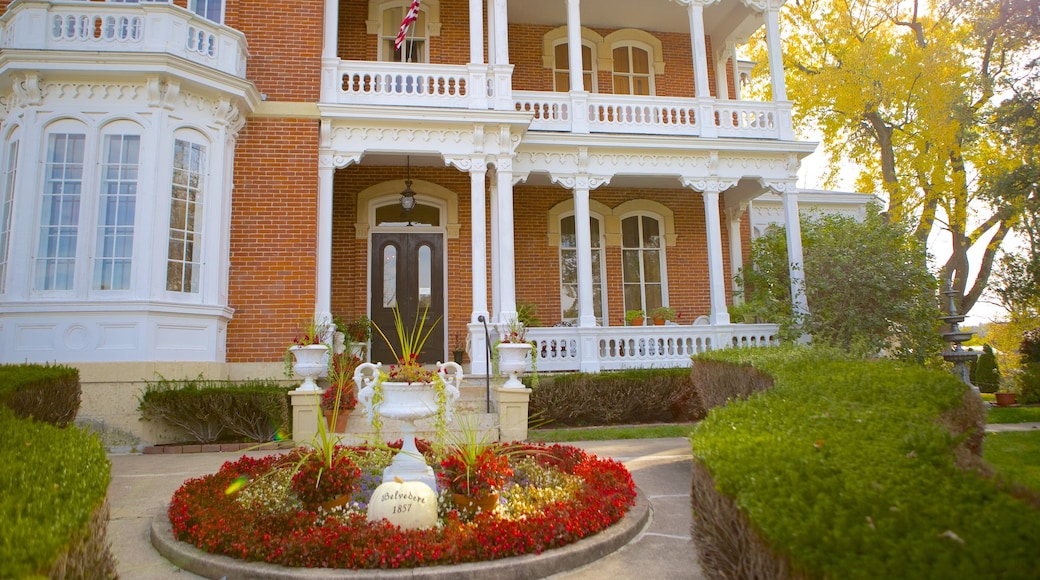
248,510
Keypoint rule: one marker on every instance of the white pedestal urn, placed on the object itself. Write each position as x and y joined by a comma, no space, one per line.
312,362
407,402
512,360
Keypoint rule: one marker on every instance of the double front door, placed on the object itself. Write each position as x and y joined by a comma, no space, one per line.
408,272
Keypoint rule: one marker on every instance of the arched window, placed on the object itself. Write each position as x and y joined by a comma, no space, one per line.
633,74
10,171
569,267
89,201
187,196
561,67
643,262
414,48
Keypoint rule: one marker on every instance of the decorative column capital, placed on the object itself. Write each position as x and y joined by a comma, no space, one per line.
582,181
338,160
708,185
781,186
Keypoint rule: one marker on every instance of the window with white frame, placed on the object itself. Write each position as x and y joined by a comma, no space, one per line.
89,201
209,9
55,264
184,255
633,74
117,202
415,42
561,68
569,268
6,208
643,264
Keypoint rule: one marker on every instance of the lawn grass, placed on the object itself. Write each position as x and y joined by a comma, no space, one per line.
1013,414
1015,455
607,433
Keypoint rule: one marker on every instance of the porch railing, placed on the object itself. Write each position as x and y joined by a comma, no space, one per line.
148,27
461,86
621,347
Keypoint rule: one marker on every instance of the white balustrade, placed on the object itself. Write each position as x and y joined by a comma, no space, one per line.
620,347
392,83
147,27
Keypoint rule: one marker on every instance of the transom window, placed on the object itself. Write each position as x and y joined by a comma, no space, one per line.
569,268
415,43
632,72
642,253
421,215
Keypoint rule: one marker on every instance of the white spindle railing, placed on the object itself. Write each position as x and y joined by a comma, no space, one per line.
384,83
146,27
620,347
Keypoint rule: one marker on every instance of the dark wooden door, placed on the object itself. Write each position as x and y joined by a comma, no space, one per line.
407,270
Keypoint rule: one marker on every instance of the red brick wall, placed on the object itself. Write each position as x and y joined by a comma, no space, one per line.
273,224
284,51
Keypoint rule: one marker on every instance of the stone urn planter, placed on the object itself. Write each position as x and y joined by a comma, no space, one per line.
408,402
311,362
512,360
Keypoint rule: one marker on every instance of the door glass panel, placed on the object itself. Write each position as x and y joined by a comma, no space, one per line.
389,276
425,276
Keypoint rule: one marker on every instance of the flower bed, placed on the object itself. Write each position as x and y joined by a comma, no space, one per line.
557,495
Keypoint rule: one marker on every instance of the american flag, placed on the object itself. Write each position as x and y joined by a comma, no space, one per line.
409,17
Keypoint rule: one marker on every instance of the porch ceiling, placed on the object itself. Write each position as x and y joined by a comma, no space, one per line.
666,16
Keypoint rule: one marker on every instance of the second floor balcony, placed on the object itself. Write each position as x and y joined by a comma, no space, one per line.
127,29
660,67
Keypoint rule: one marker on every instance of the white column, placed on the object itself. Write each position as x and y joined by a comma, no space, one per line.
796,265
776,57
736,251
583,233
501,40
507,271
330,51
700,51
577,76
496,249
478,71
476,31
323,288
478,245
716,275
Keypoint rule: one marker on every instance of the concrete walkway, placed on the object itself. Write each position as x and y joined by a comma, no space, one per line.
143,484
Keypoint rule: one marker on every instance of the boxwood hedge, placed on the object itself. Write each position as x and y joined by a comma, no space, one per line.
48,393
848,469
53,509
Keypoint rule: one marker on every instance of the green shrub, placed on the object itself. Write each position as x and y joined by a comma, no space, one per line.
986,375
848,469
44,392
53,508
1029,379
616,398
254,410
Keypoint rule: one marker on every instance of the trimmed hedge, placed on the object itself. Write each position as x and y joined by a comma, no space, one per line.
42,392
852,469
615,398
53,511
253,410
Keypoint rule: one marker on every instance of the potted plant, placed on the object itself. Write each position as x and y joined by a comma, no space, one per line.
634,317
662,314
458,349
307,355
339,400
474,469
512,352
